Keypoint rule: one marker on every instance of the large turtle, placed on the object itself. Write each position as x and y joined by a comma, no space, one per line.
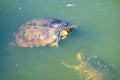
94,68
42,32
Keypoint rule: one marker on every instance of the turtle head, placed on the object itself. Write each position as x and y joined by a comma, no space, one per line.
67,31
80,57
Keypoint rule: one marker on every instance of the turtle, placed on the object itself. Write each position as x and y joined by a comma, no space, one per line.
41,32
93,68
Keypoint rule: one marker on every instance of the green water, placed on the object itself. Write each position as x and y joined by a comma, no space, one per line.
97,35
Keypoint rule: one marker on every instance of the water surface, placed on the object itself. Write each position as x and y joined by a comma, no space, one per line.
97,35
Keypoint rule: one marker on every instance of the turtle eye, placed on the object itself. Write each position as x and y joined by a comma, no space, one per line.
69,31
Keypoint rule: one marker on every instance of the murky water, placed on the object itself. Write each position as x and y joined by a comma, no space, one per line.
97,35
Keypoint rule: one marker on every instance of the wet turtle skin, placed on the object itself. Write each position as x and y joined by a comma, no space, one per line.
42,32
94,69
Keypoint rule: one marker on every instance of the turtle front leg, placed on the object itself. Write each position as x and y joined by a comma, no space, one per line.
71,67
89,77
55,43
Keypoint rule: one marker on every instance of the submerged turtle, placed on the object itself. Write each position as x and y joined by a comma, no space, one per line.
42,32
94,68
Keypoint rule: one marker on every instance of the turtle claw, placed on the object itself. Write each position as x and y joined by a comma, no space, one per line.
64,37
54,44
71,67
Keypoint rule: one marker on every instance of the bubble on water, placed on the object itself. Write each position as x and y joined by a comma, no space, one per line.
98,4
70,5
41,53
19,8
16,65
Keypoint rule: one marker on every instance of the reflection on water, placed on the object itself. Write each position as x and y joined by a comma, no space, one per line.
98,35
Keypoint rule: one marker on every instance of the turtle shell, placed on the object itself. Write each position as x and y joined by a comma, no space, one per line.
40,32
94,68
